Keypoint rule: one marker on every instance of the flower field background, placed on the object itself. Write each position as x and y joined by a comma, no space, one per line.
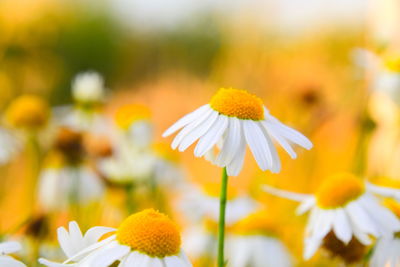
95,159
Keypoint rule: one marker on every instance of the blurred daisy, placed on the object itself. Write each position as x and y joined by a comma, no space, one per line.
146,238
198,204
8,248
346,206
254,242
387,249
232,119
88,88
61,185
27,112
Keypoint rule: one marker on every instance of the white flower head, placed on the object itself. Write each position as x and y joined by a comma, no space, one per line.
8,248
234,118
146,238
345,206
59,186
88,87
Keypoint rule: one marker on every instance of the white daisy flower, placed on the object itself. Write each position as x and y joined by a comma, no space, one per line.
234,118
146,238
346,206
61,186
8,248
88,87
254,241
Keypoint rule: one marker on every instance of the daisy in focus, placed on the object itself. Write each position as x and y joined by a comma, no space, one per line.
343,209
232,119
147,238
9,248
254,241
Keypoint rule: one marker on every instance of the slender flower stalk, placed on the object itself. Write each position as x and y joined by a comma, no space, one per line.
221,225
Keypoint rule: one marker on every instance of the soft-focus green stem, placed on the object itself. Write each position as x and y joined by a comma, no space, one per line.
221,224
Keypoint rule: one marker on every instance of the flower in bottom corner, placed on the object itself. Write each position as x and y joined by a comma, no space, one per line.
8,248
344,214
254,241
147,238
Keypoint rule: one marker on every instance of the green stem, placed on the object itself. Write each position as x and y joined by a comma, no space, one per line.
221,224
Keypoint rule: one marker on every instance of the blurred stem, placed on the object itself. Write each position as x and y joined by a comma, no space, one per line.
35,158
221,224
129,188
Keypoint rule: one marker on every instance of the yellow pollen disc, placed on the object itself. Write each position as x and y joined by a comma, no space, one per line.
27,111
338,190
238,103
258,223
150,232
128,114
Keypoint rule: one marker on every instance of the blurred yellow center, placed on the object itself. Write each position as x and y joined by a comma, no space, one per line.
338,190
150,232
238,103
27,111
258,223
393,63
128,114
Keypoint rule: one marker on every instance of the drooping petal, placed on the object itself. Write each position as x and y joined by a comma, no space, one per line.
342,226
231,143
209,139
270,128
186,120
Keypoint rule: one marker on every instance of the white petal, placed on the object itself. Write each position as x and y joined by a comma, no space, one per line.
95,233
286,194
211,137
290,134
186,120
257,144
235,166
310,247
323,224
174,261
270,128
384,191
111,255
231,143
54,264
155,262
64,241
361,219
305,205
199,126
6,261
9,247
342,226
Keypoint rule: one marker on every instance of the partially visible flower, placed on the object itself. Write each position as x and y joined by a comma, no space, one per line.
9,145
146,238
387,249
232,119
61,184
8,248
88,87
198,204
28,112
255,242
134,121
345,205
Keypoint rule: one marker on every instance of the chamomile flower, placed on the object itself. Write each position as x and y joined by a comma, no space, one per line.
387,249
255,242
146,238
27,112
234,118
61,184
88,87
346,206
8,248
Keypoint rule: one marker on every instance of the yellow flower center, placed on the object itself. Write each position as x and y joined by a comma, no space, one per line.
338,190
27,111
150,232
128,114
393,63
238,103
258,223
